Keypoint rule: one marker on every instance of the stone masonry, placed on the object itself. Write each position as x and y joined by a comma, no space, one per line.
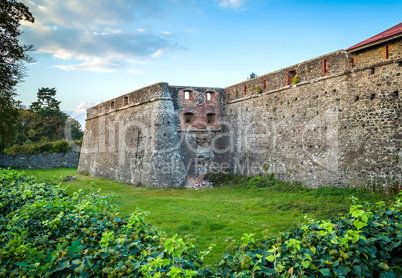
333,120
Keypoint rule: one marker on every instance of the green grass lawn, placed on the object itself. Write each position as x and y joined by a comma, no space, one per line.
230,209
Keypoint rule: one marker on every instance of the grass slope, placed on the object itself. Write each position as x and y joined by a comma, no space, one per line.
230,209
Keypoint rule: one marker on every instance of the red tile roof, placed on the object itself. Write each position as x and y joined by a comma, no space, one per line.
393,31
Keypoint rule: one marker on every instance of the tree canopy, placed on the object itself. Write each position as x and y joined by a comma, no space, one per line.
252,75
43,122
13,55
49,119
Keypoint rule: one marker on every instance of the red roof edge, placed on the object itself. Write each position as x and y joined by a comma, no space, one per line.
391,32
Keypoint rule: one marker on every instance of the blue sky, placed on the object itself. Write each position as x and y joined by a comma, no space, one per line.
94,50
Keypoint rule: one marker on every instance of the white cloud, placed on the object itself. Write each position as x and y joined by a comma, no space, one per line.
85,105
165,33
158,53
96,35
79,114
231,4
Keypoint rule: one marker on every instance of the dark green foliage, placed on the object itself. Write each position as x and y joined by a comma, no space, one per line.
366,243
12,57
43,123
51,119
272,182
76,131
61,146
48,233
252,75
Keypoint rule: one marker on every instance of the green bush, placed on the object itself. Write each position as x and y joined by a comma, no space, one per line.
61,146
46,233
366,243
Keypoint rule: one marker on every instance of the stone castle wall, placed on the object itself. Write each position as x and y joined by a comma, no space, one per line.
281,79
335,119
128,143
340,128
40,160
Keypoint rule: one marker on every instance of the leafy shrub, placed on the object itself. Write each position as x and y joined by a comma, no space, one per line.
48,233
295,79
366,243
61,146
44,147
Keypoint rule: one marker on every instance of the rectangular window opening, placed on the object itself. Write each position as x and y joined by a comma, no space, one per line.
325,69
265,85
188,118
289,76
211,118
125,101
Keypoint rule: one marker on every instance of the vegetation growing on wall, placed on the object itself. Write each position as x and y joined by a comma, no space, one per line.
296,79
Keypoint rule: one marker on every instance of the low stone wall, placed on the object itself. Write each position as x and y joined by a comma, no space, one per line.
40,160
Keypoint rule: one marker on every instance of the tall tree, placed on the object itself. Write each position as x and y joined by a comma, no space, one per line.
53,119
12,58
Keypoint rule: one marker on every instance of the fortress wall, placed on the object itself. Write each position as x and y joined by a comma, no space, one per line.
318,133
340,125
370,126
136,143
288,132
281,79
134,98
200,141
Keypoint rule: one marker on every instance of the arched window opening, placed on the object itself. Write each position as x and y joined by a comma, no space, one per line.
245,90
211,118
188,118
100,109
125,101
112,105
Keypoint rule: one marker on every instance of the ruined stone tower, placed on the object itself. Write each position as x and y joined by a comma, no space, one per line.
335,119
